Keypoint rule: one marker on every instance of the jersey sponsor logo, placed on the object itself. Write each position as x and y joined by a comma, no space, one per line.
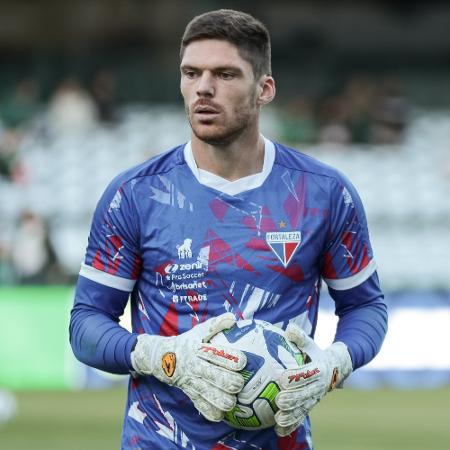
284,244
187,278
194,298
169,363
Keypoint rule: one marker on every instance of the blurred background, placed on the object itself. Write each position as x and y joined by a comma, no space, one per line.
91,88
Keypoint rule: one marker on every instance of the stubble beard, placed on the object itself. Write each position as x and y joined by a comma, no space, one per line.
226,133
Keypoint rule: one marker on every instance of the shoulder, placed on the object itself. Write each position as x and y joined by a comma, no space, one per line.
294,160
157,165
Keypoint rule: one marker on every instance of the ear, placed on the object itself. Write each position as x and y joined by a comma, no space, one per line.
266,90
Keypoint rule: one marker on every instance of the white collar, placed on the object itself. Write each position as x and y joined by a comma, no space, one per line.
237,186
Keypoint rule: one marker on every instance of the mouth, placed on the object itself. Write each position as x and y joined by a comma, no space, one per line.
206,111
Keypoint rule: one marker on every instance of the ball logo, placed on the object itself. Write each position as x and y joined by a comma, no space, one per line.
169,363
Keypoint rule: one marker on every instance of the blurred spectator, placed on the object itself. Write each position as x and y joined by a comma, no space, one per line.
32,255
71,108
298,122
391,114
22,105
6,269
103,90
11,167
333,120
359,98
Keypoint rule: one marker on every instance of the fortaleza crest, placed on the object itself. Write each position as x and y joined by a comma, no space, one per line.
284,244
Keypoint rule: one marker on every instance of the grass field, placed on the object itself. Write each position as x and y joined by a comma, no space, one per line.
347,420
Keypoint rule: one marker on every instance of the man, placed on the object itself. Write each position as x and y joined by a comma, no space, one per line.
225,227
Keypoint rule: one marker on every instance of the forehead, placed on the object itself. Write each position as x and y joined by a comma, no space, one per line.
211,53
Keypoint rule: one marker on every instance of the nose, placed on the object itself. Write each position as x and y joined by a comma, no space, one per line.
205,85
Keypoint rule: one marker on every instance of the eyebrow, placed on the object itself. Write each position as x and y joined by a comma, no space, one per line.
225,68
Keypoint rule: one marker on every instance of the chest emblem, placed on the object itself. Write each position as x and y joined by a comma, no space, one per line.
284,244
184,250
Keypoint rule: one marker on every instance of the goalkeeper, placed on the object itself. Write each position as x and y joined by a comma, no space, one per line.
229,225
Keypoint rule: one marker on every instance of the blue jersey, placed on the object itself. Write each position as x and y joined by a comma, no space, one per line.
188,250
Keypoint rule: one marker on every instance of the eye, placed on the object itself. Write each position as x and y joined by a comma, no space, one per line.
226,75
188,73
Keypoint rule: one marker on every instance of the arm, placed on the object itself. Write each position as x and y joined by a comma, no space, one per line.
207,374
349,270
107,277
96,337
362,323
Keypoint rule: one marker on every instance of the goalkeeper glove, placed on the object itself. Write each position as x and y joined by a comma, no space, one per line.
304,387
206,373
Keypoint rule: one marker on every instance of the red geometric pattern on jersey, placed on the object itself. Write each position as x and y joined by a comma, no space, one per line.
290,442
169,325
328,267
258,244
294,205
97,261
352,246
293,272
111,256
221,252
219,208
231,300
265,223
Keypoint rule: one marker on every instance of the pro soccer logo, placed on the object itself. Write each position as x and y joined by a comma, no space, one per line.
284,244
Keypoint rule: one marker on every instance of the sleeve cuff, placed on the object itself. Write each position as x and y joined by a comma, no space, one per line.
120,283
343,284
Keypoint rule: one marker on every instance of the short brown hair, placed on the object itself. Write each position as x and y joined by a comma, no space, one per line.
248,34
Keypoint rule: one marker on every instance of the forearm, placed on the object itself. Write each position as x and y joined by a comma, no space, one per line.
363,331
95,336
362,323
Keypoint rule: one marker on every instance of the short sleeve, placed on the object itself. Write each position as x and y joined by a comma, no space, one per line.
113,255
348,258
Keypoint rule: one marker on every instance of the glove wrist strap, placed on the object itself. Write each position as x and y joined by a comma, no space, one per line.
341,363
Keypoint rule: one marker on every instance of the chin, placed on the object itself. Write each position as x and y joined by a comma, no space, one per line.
219,137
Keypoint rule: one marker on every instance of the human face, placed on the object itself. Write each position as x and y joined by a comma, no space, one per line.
221,95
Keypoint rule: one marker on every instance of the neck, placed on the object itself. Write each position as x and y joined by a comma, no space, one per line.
232,161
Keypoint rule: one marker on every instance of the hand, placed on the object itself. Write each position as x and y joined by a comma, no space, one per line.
206,373
304,387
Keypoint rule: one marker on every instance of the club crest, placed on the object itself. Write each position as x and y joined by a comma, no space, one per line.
284,244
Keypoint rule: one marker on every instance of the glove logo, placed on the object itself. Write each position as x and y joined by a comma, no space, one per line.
304,375
334,379
221,353
169,363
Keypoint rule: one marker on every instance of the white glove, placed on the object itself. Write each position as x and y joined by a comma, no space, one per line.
304,387
206,373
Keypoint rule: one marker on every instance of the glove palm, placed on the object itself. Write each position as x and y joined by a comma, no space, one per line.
206,373
304,387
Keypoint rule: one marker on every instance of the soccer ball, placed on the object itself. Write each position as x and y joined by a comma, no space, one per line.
268,354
